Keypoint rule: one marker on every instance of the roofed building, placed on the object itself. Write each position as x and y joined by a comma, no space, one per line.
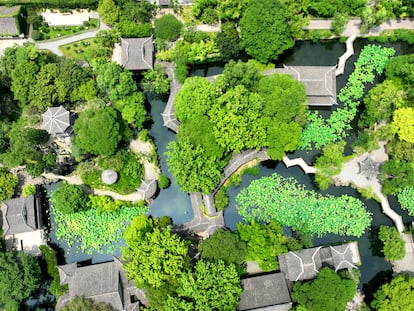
22,224
137,53
265,292
57,121
104,282
9,21
319,82
305,264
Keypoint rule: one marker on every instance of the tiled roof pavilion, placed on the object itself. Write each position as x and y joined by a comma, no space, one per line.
137,53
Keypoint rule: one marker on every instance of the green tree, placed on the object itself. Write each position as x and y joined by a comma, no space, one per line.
329,164
403,124
264,243
69,198
394,245
396,295
153,257
212,286
193,170
138,11
98,131
224,245
239,73
290,204
206,11
400,150
395,175
82,304
19,277
109,12
167,27
264,30
29,190
133,110
232,9
130,29
8,183
328,292
227,40
236,119
51,264
156,81
194,99
115,81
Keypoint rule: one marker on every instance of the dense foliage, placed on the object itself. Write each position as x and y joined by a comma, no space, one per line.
394,245
265,242
19,277
290,204
82,304
224,245
262,15
94,230
8,183
396,295
328,292
167,27
212,286
98,131
396,175
329,164
319,131
155,81
51,265
153,256
69,199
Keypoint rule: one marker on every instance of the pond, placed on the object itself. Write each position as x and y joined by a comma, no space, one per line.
176,204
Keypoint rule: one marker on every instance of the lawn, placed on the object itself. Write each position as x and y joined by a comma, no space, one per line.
86,50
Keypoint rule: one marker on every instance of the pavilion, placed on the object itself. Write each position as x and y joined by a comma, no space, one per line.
137,53
56,121
369,168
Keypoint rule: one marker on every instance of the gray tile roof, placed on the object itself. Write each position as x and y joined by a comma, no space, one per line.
305,264
56,120
319,82
104,282
137,53
8,21
264,291
21,215
148,188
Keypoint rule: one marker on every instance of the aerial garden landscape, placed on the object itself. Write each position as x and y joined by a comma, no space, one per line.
248,154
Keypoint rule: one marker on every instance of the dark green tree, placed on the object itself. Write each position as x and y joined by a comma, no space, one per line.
226,246
264,30
8,183
132,109
98,131
19,277
239,73
82,304
138,11
400,150
227,40
212,286
193,170
394,245
328,292
167,27
396,175
395,295
69,198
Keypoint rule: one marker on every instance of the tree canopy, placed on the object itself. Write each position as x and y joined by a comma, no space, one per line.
153,256
396,175
19,277
394,245
264,30
403,124
212,286
290,204
395,295
82,304
98,131
8,183
69,198
328,292
167,27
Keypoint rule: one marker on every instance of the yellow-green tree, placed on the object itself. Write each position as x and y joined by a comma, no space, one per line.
403,124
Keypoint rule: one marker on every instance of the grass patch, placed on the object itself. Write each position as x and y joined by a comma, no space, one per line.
86,50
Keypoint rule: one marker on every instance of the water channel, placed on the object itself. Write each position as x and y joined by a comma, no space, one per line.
176,204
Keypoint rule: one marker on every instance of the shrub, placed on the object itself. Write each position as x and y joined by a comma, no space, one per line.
163,181
29,190
221,199
36,35
394,245
167,27
181,70
69,199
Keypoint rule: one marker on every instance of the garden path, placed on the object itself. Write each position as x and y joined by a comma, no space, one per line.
350,175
